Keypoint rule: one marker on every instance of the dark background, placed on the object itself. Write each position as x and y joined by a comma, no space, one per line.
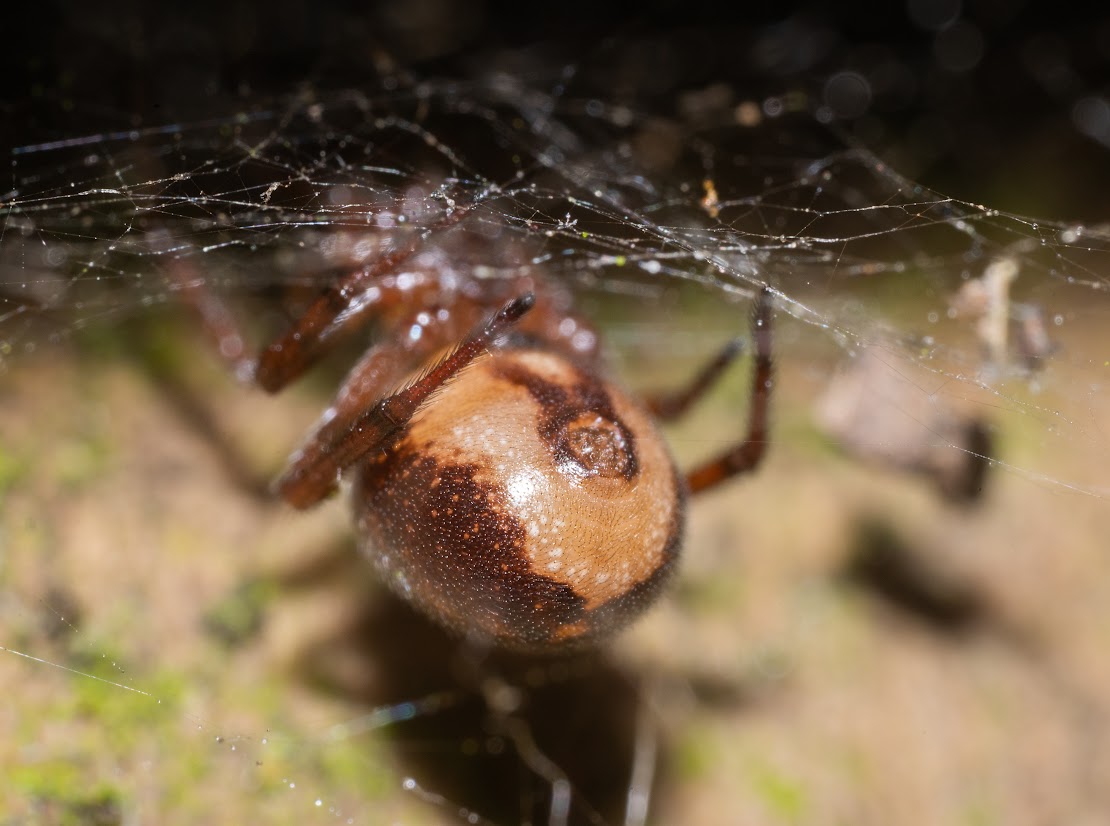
978,100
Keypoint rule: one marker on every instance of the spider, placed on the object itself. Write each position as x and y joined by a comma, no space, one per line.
510,490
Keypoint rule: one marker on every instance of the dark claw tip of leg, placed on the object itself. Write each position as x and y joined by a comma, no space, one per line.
516,308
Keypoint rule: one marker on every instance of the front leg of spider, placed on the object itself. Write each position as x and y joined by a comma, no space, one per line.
305,484
316,330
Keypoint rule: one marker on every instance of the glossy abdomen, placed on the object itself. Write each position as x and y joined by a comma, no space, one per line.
532,505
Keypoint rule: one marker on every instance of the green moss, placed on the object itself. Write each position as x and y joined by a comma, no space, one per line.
239,617
356,767
158,341
709,595
784,797
98,343
60,795
78,462
13,470
51,779
109,718
695,754
164,349
979,814
123,705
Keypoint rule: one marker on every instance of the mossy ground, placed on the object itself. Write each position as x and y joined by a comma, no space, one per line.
176,632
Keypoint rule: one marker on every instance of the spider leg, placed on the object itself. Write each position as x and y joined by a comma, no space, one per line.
670,406
383,366
311,335
216,319
421,334
314,472
345,306
218,322
746,455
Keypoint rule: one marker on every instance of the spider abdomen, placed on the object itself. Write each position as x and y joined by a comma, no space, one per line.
533,504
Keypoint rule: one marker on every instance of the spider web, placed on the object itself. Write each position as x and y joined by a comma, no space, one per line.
666,221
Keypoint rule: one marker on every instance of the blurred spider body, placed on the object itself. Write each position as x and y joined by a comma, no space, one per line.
510,490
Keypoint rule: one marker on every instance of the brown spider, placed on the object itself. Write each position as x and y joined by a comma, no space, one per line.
510,490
